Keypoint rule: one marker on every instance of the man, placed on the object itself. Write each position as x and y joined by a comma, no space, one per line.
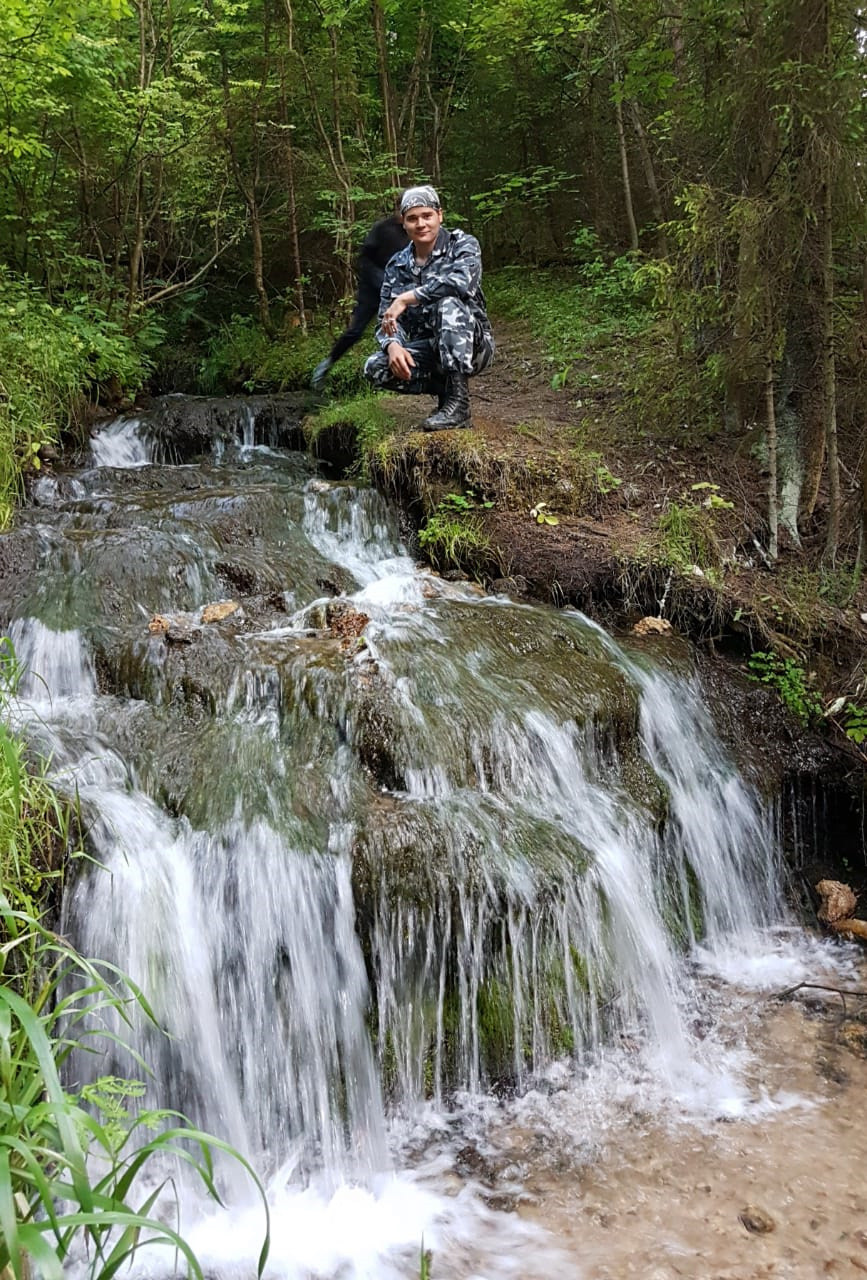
434,331
382,241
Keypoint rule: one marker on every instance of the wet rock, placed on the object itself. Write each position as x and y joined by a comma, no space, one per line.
502,1201
217,612
345,622
838,901
18,558
470,1163
376,736
336,581
756,1220
175,630
516,586
852,1034
243,579
184,427
829,1068
854,930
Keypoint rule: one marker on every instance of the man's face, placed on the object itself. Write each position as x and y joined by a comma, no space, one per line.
422,225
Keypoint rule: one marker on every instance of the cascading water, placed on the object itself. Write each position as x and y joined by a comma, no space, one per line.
352,873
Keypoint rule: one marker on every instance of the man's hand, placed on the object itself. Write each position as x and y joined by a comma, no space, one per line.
396,310
400,362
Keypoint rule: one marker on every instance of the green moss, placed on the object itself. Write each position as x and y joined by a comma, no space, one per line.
362,417
682,909
496,1028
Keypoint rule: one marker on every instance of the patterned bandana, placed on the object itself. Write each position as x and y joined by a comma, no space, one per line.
419,198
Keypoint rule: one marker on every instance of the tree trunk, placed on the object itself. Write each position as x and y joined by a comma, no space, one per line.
292,202
773,497
650,179
829,368
389,130
624,169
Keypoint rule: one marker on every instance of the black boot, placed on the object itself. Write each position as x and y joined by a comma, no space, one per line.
454,410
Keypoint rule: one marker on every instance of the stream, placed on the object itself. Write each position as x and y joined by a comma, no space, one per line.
458,921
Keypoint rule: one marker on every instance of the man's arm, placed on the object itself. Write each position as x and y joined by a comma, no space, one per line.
458,277
392,286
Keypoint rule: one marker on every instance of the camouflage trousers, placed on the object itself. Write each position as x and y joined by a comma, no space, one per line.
452,338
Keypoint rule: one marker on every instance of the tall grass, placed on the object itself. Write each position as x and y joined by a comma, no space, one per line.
34,822
68,1177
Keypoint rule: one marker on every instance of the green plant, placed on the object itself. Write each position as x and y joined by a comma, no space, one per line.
714,500
362,414
452,542
790,681
51,360
687,538
240,355
855,723
462,503
67,1176
606,481
34,821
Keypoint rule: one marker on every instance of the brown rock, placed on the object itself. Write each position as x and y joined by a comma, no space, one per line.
345,621
838,901
652,627
217,612
853,929
756,1220
158,625
853,1036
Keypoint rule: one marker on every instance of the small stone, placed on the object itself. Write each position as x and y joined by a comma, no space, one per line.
756,1220
838,901
853,1035
217,612
158,625
851,929
652,627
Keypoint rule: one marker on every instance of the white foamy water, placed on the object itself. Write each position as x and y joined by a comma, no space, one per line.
355,529
121,444
423,922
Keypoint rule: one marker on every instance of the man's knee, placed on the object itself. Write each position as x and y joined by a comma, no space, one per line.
464,343
376,370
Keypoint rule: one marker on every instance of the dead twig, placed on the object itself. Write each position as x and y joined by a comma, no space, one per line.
842,992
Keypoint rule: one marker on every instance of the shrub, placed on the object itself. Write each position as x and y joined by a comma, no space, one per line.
51,359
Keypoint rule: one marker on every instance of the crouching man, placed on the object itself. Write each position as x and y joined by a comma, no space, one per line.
434,331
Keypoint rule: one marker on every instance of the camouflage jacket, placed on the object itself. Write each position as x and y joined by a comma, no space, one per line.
453,270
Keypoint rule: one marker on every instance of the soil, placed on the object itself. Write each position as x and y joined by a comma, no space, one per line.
782,1197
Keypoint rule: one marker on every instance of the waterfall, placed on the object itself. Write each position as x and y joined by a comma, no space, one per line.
360,875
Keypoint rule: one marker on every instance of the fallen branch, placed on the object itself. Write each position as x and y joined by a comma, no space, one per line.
842,992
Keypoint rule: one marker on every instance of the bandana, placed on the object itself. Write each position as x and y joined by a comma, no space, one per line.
419,198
